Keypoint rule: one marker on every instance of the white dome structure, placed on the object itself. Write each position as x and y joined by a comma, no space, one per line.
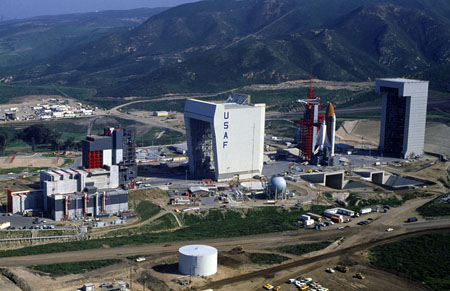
197,260
278,185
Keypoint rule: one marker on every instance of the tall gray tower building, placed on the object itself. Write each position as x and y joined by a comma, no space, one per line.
403,116
225,137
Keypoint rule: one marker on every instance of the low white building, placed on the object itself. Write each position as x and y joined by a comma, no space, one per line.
338,212
365,210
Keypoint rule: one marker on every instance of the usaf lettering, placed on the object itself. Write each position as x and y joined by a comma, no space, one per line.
226,115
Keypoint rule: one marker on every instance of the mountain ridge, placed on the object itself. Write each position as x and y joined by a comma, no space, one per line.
221,44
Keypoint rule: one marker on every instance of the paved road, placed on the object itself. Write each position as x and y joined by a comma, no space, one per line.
115,111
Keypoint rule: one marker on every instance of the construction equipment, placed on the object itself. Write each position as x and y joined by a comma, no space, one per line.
342,268
238,249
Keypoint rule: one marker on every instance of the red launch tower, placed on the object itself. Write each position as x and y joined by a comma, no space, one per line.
309,126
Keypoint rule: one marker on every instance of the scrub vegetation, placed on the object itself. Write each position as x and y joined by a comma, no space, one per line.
302,249
165,222
62,269
266,259
284,128
435,209
285,100
146,209
213,224
159,136
355,201
423,258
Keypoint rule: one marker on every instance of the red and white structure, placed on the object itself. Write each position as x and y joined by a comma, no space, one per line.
310,124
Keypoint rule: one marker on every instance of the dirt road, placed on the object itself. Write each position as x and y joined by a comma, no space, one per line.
254,242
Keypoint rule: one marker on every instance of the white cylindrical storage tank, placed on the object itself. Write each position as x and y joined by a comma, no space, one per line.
197,260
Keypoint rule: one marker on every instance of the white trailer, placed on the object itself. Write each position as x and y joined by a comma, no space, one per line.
365,210
308,222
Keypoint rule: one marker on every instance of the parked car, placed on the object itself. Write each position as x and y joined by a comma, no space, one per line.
412,219
389,229
140,259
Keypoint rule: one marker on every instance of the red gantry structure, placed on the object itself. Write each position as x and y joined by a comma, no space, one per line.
309,125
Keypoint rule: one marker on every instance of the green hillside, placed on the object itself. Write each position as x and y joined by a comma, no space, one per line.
214,45
40,38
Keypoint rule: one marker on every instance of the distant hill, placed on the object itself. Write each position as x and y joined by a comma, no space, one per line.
38,38
220,44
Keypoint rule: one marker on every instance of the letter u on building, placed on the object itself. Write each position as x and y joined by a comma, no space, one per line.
226,115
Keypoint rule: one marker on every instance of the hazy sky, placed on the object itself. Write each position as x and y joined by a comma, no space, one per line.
13,9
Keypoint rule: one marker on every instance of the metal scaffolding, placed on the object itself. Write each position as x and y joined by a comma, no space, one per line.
202,143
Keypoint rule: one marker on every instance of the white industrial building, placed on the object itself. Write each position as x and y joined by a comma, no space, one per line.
91,190
197,260
403,116
225,137
71,193
68,181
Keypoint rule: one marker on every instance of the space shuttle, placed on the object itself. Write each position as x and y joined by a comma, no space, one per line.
327,134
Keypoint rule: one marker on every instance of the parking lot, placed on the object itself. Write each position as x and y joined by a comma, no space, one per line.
19,222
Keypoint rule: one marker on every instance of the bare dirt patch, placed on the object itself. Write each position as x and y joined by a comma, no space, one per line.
437,138
374,279
30,161
367,132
